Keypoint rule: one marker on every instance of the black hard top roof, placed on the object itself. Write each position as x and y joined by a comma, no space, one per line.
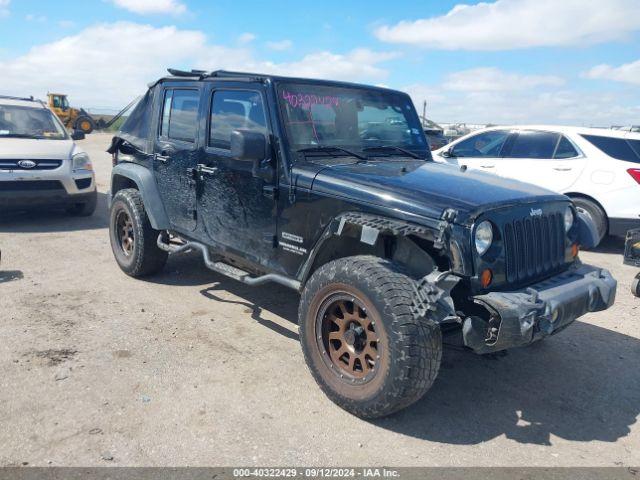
202,75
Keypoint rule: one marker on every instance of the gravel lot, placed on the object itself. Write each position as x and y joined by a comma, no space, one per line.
190,368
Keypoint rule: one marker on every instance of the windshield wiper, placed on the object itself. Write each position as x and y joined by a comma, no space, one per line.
19,135
393,147
329,148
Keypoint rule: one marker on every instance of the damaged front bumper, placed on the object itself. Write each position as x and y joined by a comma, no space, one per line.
521,317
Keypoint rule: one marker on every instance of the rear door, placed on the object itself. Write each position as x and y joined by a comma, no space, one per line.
543,158
175,154
480,151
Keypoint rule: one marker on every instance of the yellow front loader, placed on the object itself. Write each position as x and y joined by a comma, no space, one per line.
71,117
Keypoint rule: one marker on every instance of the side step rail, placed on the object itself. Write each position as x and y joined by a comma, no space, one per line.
224,268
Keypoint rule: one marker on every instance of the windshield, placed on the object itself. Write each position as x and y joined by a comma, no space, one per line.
356,119
28,122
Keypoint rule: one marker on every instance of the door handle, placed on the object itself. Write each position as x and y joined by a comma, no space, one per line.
203,170
487,166
562,169
162,157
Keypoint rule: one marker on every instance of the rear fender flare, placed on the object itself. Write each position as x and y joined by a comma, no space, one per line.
146,184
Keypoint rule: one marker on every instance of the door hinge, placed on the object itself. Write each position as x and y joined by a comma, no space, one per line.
270,191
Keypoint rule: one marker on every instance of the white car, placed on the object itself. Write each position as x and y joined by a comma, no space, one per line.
40,164
599,169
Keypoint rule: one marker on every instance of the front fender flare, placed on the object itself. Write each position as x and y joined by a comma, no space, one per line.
148,188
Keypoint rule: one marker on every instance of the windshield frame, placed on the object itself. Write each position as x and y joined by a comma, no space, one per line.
412,116
64,134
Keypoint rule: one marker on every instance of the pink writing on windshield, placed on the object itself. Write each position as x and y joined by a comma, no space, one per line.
305,100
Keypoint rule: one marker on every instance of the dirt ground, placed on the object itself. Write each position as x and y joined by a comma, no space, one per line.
190,368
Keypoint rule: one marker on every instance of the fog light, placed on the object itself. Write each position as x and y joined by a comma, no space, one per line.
486,277
554,315
575,249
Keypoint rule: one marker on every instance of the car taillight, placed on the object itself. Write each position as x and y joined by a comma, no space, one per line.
635,173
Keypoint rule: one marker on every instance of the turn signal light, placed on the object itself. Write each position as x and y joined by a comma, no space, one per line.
635,173
575,249
486,277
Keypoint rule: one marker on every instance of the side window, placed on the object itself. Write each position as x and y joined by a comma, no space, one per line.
486,145
565,149
232,110
529,144
56,102
618,148
180,115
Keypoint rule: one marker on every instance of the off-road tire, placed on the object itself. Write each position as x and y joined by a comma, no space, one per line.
84,209
85,124
635,286
596,213
145,258
412,347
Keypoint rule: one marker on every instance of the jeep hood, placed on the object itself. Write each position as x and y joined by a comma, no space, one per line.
424,188
35,148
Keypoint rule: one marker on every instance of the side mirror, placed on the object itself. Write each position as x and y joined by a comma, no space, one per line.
448,153
251,146
77,135
248,145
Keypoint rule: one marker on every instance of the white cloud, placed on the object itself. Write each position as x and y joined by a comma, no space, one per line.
280,45
106,65
626,73
4,8
151,6
539,102
488,79
512,24
246,38
32,17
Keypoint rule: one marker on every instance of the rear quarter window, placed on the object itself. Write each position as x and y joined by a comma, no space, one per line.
618,148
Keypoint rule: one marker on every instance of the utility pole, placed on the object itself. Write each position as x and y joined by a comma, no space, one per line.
424,113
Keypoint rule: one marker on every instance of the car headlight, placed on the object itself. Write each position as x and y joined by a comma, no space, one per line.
569,218
81,161
483,237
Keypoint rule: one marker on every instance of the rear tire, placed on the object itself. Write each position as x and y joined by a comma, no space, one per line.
133,239
595,213
84,209
357,308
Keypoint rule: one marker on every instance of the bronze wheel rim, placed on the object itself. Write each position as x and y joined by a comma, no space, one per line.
347,338
124,233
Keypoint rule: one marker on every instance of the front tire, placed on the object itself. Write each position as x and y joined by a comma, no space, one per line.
360,339
596,214
133,239
85,124
635,286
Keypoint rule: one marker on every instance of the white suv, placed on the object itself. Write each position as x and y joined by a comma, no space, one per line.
599,169
40,164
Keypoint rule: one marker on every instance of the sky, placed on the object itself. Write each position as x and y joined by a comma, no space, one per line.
571,62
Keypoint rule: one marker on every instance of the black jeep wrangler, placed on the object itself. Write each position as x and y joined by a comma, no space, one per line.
329,188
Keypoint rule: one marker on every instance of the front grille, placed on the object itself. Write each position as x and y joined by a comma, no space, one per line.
534,246
30,185
13,164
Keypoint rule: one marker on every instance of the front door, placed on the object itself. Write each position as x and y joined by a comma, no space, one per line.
175,155
237,210
481,151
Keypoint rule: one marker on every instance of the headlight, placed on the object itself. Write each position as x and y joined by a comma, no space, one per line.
569,218
483,237
81,161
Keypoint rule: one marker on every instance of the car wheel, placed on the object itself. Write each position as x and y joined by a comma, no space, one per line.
133,239
594,212
635,286
360,339
86,208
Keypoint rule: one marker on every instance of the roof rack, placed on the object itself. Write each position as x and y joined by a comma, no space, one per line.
9,97
201,74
